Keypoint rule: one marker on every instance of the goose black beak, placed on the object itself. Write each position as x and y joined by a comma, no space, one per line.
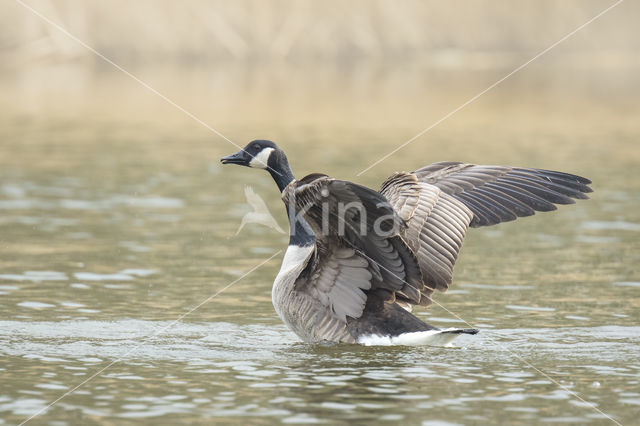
239,157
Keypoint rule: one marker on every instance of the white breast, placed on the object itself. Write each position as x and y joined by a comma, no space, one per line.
294,261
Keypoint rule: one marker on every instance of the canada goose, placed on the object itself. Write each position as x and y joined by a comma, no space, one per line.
358,259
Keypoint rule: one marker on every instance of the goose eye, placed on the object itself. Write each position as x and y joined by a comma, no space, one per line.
256,148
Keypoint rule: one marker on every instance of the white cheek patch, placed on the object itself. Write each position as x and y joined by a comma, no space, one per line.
260,160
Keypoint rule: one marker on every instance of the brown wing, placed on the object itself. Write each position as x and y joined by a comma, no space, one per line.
339,279
346,215
438,202
499,194
436,225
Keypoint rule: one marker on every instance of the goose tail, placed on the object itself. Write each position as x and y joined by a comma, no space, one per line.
417,338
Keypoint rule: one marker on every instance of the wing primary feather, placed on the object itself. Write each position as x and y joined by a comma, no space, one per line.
568,187
518,208
489,210
566,192
559,175
524,196
478,210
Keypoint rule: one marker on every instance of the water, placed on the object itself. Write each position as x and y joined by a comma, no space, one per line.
112,228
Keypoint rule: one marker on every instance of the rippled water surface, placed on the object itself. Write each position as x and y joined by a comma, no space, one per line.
114,236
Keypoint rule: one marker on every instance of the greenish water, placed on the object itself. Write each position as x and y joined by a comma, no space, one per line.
111,230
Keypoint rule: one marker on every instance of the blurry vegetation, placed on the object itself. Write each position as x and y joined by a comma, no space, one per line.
264,67
304,30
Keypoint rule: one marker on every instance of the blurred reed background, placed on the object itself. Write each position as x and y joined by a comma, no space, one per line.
480,33
265,68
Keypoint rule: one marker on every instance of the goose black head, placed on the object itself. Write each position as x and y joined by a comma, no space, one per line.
263,154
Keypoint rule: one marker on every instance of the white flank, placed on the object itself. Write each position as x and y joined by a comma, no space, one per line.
418,338
260,160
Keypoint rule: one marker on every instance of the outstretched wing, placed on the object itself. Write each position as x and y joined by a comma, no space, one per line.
440,201
436,225
349,218
499,194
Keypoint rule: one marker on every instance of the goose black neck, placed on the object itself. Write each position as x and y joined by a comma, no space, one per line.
300,233
279,170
